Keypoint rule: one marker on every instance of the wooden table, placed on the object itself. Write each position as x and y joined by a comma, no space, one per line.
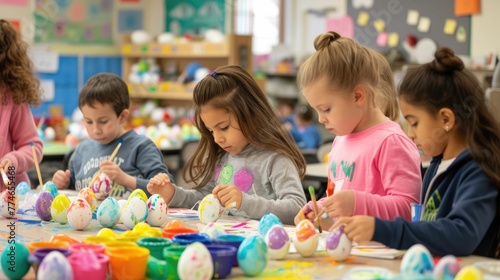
320,266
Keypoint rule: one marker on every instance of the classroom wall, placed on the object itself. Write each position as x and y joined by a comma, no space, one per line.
484,36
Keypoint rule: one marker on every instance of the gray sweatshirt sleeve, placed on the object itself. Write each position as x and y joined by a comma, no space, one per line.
287,186
149,161
187,198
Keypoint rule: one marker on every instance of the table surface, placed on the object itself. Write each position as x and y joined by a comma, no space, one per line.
319,266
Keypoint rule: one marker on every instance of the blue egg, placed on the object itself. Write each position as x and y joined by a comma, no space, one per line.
267,221
22,189
108,213
253,255
50,187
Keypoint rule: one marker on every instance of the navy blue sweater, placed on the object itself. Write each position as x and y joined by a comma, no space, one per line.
460,216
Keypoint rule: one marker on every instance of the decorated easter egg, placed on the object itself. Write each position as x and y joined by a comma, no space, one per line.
141,228
49,186
71,141
22,189
252,255
108,213
122,203
195,263
338,245
42,205
157,210
278,242
59,208
470,273
210,209
106,232
174,224
79,213
55,266
305,238
138,193
135,211
9,204
267,221
417,262
447,267
15,256
102,186
213,230
89,196
50,133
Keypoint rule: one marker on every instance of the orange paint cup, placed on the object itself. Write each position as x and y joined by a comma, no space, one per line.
32,246
171,232
128,263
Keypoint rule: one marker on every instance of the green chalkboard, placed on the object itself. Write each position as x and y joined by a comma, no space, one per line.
194,16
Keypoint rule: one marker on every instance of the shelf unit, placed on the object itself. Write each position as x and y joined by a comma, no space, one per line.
234,50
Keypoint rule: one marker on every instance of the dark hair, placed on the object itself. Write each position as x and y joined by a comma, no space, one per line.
231,88
443,83
304,112
16,69
105,88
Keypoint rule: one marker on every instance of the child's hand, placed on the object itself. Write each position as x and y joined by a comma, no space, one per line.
357,228
308,211
341,203
61,179
228,194
5,163
161,184
114,172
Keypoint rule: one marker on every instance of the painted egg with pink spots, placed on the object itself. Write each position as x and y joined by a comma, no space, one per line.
102,186
157,210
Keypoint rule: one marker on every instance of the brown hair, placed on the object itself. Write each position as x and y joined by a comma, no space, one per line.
231,88
105,88
345,62
386,99
16,69
444,83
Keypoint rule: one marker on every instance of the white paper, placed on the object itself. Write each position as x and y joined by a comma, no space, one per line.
48,90
362,3
412,17
424,24
45,62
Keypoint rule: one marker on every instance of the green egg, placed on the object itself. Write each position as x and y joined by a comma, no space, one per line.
15,260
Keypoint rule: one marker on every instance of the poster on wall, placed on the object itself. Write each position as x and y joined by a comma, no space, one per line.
194,16
74,22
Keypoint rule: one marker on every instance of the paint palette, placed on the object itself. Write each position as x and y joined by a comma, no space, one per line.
368,272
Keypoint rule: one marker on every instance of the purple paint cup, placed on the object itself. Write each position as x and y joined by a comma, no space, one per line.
232,240
223,257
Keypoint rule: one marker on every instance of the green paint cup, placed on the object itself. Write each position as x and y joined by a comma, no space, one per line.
172,255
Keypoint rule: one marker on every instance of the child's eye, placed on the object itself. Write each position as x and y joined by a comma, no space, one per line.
326,110
103,122
414,124
225,128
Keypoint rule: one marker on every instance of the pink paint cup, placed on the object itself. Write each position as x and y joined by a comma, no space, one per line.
89,265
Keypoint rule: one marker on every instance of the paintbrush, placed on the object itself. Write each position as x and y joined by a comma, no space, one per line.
315,206
301,215
37,166
6,180
110,159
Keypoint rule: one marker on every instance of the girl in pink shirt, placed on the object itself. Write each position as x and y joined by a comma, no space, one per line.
19,87
373,166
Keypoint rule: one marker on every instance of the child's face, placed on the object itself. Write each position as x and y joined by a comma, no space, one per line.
424,129
337,110
101,122
224,128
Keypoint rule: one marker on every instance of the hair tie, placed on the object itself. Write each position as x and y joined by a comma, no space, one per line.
213,74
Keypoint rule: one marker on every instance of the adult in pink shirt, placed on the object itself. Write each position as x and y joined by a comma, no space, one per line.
373,165
19,87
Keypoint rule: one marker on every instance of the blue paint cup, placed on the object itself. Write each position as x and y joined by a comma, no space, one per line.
223,257
188,238
232,240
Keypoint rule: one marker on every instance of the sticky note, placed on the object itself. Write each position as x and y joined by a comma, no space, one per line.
363,18
412,17
379,25
393,39
424,24
449,26
461,34
382,39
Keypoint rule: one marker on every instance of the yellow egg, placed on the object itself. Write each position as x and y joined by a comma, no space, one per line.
469,273
141,227
153,232
106,232
140,193
59,208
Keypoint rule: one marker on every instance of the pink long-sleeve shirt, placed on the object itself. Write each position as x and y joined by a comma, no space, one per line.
382,166
17,130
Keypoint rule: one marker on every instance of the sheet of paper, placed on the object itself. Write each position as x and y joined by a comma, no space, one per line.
363,18
461,34
424,24
48,90
393,40
412,17
467,7
450,25
382,39
343,25
379,25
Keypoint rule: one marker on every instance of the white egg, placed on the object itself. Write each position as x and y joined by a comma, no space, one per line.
417,262
338,245
108,213
9,204
195,263
50,133
210,209
134,212
305,238
213,230
157,210
55,266
278,242
79,214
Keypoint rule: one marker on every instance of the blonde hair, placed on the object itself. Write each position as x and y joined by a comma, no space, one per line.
347,64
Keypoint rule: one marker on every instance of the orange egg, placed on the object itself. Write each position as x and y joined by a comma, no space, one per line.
304,230
174,224
63,238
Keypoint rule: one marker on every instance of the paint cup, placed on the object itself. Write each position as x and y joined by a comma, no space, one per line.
79,247
223,257
172,254
39,254
94,239
89,267
416,211
232,240
32,246
153,232
171,232
128,263
188,238
155,245
112,245
129,236
63,238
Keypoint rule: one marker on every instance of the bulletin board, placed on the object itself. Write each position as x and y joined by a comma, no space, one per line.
194,16
438,15
74,22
